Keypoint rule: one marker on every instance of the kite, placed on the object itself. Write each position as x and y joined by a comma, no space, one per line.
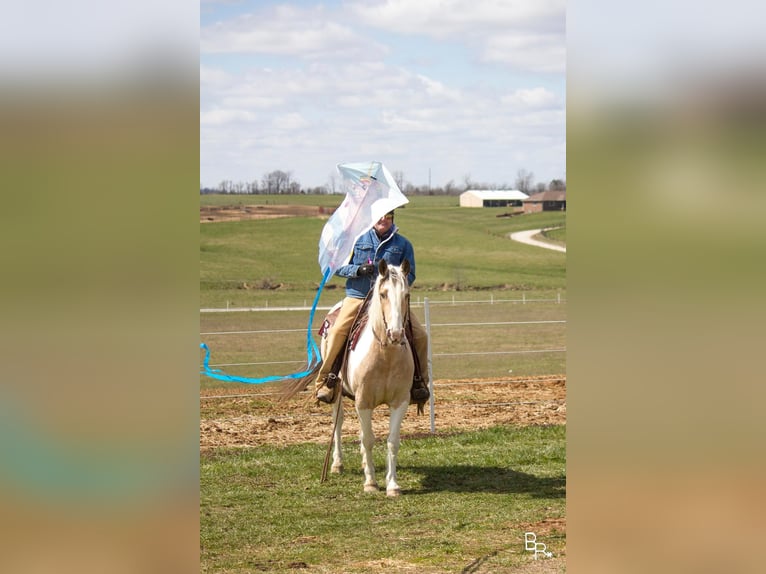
371,192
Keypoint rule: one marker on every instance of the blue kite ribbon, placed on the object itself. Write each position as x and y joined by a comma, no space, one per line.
312,353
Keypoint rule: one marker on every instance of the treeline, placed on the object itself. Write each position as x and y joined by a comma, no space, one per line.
282,183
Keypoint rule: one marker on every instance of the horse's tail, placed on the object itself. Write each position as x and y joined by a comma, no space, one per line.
291,387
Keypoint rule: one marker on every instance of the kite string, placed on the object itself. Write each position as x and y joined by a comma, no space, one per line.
312,352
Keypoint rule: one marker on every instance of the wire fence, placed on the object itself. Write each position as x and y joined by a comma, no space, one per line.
417,302
542,350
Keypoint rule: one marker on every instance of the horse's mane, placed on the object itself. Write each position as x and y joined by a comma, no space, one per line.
375,314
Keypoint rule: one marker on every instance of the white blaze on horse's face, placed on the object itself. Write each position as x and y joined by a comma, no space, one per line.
393,297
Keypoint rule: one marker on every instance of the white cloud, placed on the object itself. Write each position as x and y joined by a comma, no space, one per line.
527,34
311,109
441,18
537,53
290,31
213,77
290,121
531,98
219,117
437,89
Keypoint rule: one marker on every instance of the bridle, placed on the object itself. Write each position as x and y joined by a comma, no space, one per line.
383,342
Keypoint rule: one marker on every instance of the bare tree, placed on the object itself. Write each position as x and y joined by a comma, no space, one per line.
333,183
557,185
399,179
277,182
524,181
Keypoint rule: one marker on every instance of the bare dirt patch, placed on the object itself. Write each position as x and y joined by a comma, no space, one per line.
250,418
216,213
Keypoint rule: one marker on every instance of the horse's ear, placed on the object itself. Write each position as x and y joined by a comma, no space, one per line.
383,268
406,267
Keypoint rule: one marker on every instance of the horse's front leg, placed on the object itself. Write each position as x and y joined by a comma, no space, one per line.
394,427
367,442
337,453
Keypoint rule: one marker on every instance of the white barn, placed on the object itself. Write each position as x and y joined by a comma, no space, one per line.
492,198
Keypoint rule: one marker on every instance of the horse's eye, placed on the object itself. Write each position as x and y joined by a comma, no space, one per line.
384,295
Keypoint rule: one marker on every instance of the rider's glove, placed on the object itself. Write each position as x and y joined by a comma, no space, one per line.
365,270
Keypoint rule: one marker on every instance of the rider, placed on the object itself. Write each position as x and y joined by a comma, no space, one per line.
383,241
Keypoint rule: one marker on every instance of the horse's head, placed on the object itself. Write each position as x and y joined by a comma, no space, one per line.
390,302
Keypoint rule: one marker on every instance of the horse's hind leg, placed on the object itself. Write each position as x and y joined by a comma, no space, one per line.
395,423
368,440
337,453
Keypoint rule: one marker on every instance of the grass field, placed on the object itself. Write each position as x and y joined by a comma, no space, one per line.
460,250
467,501
468,497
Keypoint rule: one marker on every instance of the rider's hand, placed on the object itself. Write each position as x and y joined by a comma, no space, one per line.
365,270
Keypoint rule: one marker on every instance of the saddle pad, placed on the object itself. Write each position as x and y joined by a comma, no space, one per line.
329,319
356,328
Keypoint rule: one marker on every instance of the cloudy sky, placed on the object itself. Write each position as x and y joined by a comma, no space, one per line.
459,87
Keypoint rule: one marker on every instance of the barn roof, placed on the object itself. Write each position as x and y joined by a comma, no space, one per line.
548,195
507,194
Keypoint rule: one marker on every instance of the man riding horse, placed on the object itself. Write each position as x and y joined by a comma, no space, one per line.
382,242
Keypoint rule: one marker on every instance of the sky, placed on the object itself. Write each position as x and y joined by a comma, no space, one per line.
438,90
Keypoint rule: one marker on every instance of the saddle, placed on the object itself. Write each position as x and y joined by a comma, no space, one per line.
356,327
353,338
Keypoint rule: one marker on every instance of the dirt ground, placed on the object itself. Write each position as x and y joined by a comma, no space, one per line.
249,418
213,214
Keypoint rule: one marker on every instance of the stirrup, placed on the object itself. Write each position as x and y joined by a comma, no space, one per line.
419,394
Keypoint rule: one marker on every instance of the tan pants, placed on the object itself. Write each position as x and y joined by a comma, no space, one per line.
338,335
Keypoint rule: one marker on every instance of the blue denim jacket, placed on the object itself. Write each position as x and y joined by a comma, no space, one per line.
394,248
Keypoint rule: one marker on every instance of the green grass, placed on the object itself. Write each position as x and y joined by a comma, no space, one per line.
557,235
457,249
466,497
462,255
241,345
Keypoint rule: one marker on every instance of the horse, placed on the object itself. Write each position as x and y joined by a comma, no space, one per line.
378,370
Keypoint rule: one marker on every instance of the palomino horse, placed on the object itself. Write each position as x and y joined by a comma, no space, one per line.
379,371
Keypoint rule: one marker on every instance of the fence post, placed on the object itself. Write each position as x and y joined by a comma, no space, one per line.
430,364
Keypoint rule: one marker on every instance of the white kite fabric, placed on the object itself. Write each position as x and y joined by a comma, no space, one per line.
371,192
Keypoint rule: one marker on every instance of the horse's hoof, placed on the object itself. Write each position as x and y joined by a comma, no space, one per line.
371,488
336,469
394,492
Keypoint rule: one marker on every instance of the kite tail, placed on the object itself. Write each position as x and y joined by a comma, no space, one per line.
313,358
